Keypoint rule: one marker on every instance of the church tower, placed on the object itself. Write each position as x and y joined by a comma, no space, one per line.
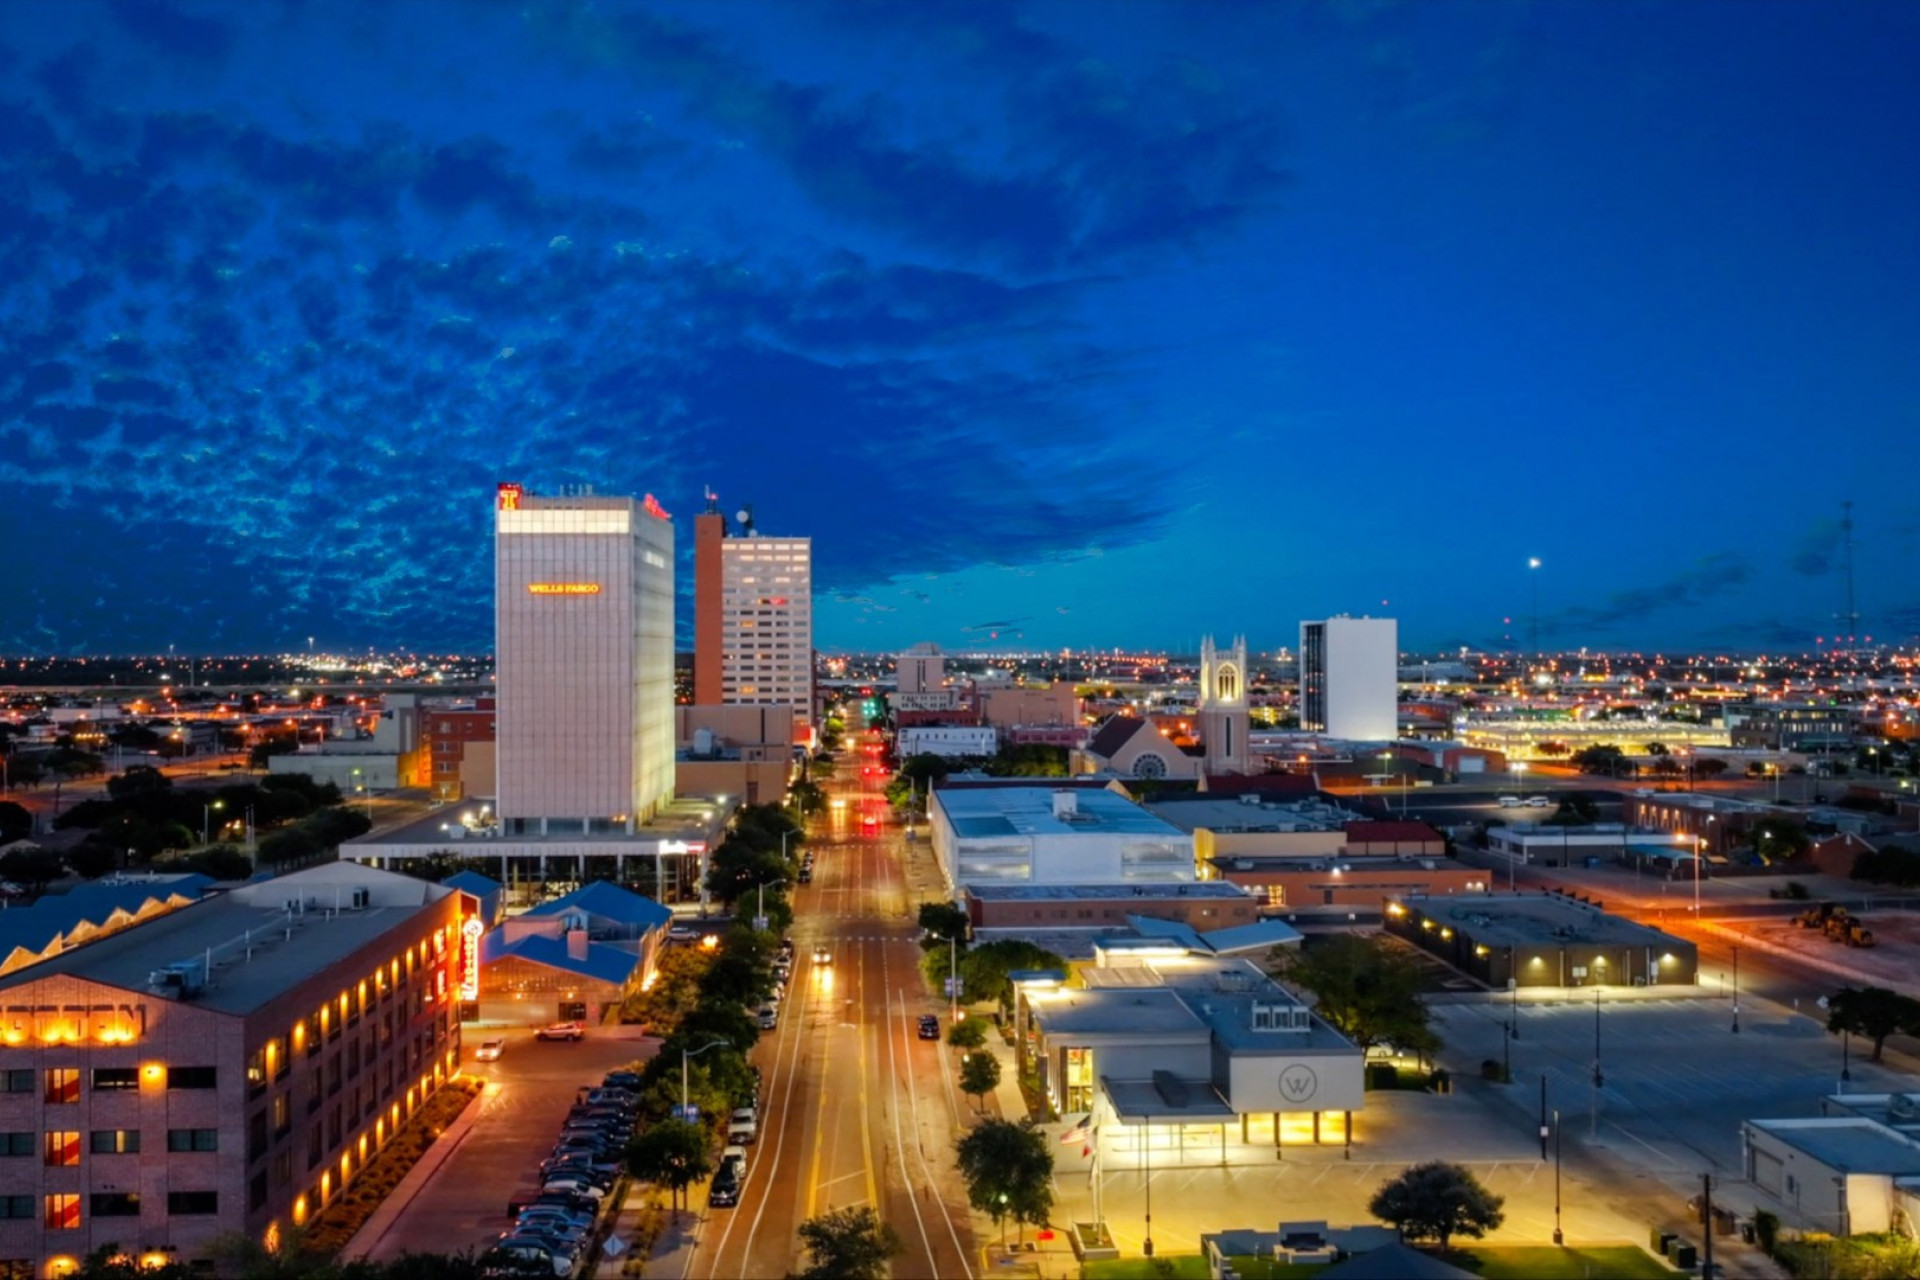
1223,706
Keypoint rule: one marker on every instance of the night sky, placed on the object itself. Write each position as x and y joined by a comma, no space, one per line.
1079,324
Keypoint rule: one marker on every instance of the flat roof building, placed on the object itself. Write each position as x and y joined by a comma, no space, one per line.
1349,678
226,1067
1201,1057
753,617
1053,835
583,642
1543,940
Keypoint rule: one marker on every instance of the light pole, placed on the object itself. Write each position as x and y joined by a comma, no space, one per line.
1543,1115
953,979
1558,1238
1599,1077
685,1056
760,905
1147,1164
206,817
1736,988
1533,619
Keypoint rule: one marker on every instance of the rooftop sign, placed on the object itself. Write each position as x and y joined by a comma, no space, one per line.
563,588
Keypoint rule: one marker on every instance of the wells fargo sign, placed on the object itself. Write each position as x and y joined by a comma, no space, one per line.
564,588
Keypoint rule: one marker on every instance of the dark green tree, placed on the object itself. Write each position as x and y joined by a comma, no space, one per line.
968,1033
672,1154
1008,1169
979,1076
1368,988
848,1244
1779,839
943,920
984,969
139,780
1437,1201
31,867
16,823
1873,1013
1604,759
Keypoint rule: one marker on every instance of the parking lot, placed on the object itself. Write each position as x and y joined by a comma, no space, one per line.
1678,1079
463,1204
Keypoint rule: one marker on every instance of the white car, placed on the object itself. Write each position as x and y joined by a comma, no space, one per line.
490,1051
1539,802
743,1128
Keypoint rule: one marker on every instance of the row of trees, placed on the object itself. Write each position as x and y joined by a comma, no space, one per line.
242,1256
1367,987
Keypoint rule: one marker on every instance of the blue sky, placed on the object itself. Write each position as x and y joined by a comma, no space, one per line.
1061,325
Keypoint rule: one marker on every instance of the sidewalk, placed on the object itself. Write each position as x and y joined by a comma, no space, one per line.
375,1229
671,1256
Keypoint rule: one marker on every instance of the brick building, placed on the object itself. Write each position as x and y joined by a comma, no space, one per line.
227,1067
446,734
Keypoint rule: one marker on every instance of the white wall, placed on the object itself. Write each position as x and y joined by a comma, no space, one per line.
1306,1082
1363,666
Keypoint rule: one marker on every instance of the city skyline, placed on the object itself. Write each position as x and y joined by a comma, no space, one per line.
1050,327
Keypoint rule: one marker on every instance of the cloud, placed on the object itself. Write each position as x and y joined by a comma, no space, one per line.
171,30
1708,577
1817,549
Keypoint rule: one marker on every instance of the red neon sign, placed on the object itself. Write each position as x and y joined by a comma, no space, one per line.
510,495
653,508
470,933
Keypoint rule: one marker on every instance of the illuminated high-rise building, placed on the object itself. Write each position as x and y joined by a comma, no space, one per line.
753,617
583,642
1349,674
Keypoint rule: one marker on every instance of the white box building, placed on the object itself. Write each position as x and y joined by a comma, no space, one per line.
583,636
1053,835
1349,678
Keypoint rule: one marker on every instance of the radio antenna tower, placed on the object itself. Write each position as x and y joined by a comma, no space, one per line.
1851,618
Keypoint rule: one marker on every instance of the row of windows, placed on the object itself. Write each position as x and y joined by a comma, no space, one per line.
61,1212
60,1086
62,1147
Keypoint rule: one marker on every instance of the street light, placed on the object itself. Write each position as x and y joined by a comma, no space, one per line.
1558,1238
206,817
1736,989
1533,619
685,1056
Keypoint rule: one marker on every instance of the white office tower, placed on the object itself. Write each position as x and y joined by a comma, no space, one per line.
1349,673
766,629
583,646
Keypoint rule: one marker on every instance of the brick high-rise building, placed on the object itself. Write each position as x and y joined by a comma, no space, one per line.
753,617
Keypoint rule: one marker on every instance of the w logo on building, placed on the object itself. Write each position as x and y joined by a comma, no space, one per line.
1298,1083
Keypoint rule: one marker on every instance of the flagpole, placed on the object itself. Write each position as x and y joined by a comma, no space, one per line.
1093,1176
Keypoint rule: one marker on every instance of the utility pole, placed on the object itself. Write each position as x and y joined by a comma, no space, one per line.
1706,1226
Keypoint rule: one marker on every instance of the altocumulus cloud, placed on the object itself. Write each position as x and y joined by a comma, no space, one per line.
260,366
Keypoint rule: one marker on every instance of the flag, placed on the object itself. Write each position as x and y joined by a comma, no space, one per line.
1077,1132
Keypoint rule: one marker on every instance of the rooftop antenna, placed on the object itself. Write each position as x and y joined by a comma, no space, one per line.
1851,618
713,501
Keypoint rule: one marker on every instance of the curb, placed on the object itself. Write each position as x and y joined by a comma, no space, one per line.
375,1228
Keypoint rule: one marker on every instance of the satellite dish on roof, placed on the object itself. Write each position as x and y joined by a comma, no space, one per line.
744,515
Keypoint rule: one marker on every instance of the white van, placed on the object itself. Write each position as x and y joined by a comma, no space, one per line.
1511,802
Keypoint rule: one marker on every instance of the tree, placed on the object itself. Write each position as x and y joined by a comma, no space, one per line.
25,771
15,822
943,920
1872,1012
979,1076
1709,768
32,867
848,1244
969,1033
671,1154
740,865
1437,1201
139,780
808,797
1575,811
1603,758
1008,1169
1367,987
985,970
1779,839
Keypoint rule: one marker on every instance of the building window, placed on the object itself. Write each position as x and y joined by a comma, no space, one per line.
192,1204
16,1206
16,1144
18,1268
257,1192
62,1213
116,1078
16,1081
282,1114
193,1139
63,1149
114,1204
115,1142
193,1078
63,1086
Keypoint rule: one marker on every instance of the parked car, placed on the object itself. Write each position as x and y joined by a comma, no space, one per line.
490,1050
929,1026
627,1080
513,1255
561,1031
769,1017
724,1191
743,1128
1538,802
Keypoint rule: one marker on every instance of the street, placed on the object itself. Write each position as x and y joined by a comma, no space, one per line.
858,1109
